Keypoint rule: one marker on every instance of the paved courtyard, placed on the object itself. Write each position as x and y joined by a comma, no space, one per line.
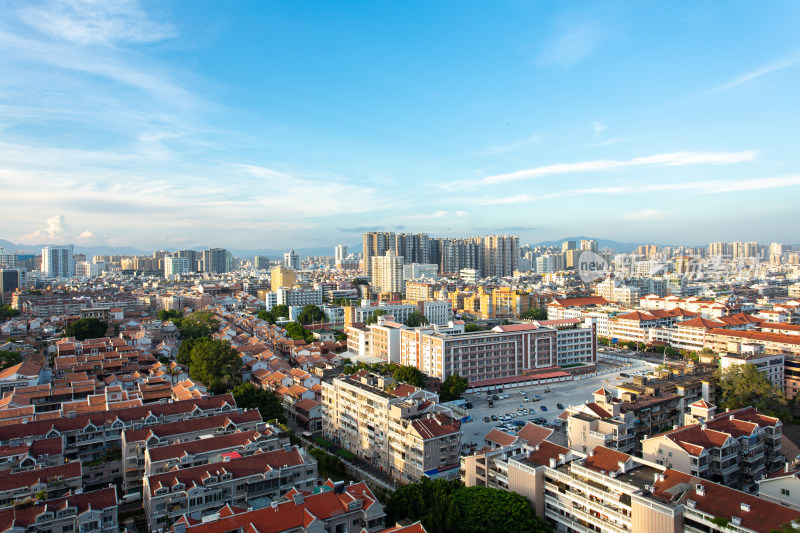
566,393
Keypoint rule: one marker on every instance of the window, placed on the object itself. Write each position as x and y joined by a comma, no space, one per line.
785,492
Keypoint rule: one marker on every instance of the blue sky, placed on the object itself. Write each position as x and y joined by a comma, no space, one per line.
278,124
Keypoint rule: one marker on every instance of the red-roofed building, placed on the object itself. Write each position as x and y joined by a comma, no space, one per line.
90,511
203,490
330,508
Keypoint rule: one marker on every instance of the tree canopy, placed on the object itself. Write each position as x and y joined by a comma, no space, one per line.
410,375
86,328
471,327
298,332
6,311
744,385
310,314
8,359
534,313
248,396
449,507
453,387
373,318
197,324
415,319
272,316
165,315
216,364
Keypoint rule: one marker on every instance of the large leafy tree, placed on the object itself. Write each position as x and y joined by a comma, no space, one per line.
469,328
535,313
169,314
449,507
86,328
216,364
6,311
197,324
453,387
310,314
415,319
744,385
298,332
248,396
410,375
373,318
8,359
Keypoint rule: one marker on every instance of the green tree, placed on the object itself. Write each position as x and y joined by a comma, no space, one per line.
453,387
310,314
280,311
8,359
248,396
744,385
6,311
216,364
482,509
534,313
184,356
86,328
410,375
449,507
469,328
415,319
298,332
373,318
165,315
342,302
197,324
266,316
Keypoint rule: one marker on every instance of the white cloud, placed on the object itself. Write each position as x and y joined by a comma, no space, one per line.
96,22
498,149
573,44
57,231
646,214
668,159
598,128
758,73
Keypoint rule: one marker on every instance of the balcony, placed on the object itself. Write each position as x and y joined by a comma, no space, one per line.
604,437
604,522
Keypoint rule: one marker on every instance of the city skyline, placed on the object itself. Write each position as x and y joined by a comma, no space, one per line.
278,126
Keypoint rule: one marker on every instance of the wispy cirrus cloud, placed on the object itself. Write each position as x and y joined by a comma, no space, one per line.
599,165
92,22
780,65
498,149
572,44
700,187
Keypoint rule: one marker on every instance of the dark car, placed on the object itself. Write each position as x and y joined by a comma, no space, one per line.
560,406
494,418
486,418
543,407
468,405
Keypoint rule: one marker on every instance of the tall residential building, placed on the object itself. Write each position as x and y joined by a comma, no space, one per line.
193,257
719,249
376,243
402,430
589,245
7,259
176,265
415,248
282,277
11,279
215,261
339,254
387,273
501,255
58,261
261,262
291,260
567,245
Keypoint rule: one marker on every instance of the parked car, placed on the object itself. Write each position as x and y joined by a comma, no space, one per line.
543,407
525,411
486,419
560,406
494,418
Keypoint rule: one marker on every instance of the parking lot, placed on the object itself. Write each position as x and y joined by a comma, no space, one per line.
566,393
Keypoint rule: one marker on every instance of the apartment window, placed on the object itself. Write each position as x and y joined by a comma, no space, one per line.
785,492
